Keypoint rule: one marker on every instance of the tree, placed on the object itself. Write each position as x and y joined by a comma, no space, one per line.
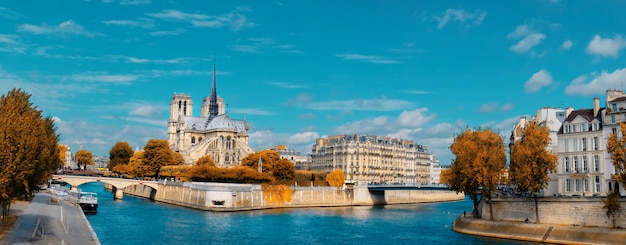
616,147
29,151
119,154
62,151
445,176
336,178
157,153
531,161
84,157
612,206
205,160
136,165
281,169
479,160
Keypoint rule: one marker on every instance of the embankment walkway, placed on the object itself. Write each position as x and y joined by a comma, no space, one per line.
547,233
47,220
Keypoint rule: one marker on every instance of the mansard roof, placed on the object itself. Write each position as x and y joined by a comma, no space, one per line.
623,98
586,114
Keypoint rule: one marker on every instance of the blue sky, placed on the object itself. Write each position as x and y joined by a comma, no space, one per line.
298,70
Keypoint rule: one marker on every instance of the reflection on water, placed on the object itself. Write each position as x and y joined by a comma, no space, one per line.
140,221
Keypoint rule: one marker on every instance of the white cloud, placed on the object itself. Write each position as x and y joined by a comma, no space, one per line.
303,138
416,92
258,45
144,23
148,111
382,104
234,19
368,58
66,28
463,17
537,81
598,84
251,111
606,46
495,106
266,139
529,38
6,38
300,100
567,44
175,32
105,78
286,85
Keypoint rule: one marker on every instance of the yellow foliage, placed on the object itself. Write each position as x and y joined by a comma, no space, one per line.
336,178
616,147
531,161
276,194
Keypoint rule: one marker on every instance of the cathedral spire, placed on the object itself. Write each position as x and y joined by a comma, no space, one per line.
213,108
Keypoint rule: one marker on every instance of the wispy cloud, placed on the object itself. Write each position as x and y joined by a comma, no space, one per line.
368,58
461,16
286,85
495,107
142,23
382,104
104,78
234,19
8,14
174,32
596,82
415,92
251,111
65,29
259,45
128,2
266,139
567,44
529,38
8,38
606,47
537,81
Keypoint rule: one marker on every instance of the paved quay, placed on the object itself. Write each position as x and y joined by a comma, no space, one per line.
46,221
544,233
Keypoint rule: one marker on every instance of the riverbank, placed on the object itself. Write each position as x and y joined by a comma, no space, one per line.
222,197
47,220
545,233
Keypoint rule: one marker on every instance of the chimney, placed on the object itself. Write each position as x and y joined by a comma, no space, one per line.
596,106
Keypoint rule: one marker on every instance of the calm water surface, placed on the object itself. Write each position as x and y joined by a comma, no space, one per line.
140,221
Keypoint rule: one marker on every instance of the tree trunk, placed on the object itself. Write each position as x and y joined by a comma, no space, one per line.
536,209
6,207
490,209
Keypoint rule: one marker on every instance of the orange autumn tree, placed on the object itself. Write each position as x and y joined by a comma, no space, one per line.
445,176
479,160
336,178
616,147
531,161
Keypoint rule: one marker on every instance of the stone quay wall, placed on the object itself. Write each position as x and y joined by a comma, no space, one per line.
239,197
570,211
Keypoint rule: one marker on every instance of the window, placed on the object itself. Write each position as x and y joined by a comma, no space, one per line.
576,166
598,184
596,163
612,118
193,140
567,165
568,185
577,187
614,130
596,144
566,143
614,106
584,142
586,183
575,144
566,129
585,165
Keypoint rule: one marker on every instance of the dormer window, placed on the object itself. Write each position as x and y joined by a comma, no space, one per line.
614,106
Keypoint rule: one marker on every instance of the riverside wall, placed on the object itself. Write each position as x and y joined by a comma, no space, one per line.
239,197
570,211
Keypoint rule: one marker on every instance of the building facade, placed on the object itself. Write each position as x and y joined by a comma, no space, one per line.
614,114
373,159
581,167
212,133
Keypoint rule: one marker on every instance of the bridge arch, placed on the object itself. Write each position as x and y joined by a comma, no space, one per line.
118,184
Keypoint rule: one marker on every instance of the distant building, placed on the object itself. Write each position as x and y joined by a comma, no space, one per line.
373,159
212,133
300,161
435,171
67,161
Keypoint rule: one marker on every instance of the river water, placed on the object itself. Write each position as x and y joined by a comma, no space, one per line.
140,221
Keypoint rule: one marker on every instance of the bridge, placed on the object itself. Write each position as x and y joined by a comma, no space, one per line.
118,183
406,187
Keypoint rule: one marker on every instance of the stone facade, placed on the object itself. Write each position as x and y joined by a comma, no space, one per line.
373,159
213,133
587,211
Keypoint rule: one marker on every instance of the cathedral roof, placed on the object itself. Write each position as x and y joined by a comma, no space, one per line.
219,122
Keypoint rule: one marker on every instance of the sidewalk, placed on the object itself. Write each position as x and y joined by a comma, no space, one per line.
48,222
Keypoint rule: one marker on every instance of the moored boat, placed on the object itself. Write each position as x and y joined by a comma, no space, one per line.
88,201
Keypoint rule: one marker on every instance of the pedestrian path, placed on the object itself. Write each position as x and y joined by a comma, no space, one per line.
48,220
